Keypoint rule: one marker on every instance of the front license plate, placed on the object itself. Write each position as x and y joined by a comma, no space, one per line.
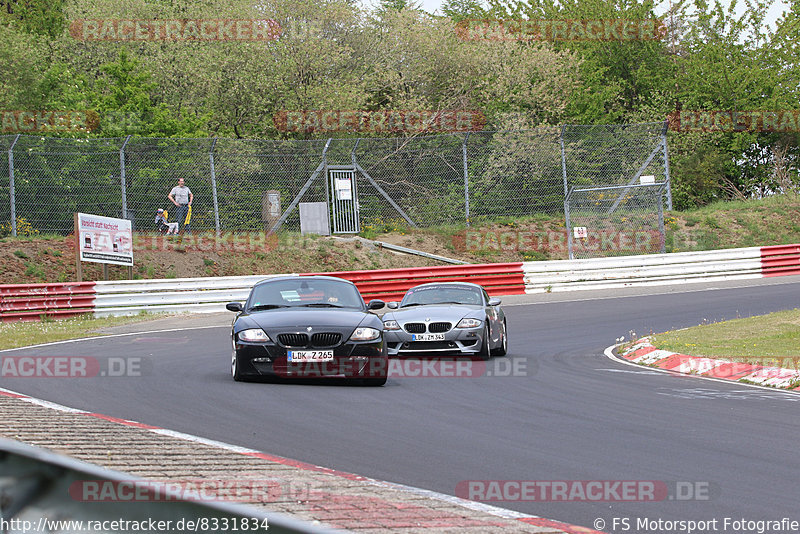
309,355
427,337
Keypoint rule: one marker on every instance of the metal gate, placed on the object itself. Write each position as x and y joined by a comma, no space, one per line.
621,220
343,199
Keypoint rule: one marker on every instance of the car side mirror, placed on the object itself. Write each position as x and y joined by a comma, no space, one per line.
375,304
234,306
494,301
393,305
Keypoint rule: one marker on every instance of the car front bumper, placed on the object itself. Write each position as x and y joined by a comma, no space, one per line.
350,360
463,340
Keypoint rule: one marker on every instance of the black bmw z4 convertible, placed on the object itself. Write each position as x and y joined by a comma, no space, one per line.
308,327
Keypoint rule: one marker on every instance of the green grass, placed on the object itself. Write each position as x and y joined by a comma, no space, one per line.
23,333
35,269
751,339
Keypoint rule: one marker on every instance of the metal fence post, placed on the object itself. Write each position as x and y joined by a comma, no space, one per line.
566,190
214,186
567,224
122,178
353,152
466,177
325,174
661,228
666,167
11,195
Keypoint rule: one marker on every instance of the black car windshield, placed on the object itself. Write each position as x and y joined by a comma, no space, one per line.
304,292
442,295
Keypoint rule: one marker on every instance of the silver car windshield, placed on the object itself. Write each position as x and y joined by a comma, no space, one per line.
308,293
441,295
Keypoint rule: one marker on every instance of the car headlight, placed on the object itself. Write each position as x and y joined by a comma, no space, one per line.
468,323
365,334
253,335
391,325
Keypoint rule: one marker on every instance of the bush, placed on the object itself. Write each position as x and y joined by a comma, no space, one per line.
24,228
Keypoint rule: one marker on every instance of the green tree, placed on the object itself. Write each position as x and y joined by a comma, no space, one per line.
122,98
39,17
458,10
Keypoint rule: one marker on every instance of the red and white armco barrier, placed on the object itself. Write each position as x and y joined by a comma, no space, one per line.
20,302
201,295
780,260
661,269
391,284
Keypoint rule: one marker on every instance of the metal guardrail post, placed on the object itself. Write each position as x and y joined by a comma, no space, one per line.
214,186
122,178
11,194
466,177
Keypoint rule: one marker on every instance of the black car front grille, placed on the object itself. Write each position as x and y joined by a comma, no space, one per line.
326,339
430,345
415,328
293,340
437,328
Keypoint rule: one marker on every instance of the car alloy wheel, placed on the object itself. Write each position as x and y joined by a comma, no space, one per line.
503,348
485,353
235,372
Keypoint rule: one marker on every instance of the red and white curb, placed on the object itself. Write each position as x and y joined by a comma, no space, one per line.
642,352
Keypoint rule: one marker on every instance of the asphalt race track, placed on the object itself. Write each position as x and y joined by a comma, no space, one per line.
575,415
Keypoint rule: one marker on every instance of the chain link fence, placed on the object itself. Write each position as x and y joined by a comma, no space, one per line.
424,181
616,186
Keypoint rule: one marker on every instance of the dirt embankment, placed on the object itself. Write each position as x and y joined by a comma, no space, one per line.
33,260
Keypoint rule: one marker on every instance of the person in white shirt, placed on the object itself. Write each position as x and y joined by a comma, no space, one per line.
182,197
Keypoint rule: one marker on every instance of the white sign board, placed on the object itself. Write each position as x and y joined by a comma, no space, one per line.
105,239
580,232
344,189
647,179
274,204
